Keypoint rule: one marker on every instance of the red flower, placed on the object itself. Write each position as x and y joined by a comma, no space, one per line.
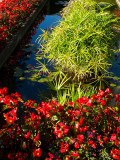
11,156
10,116
82,100
107,90
66,130
93,145
75,154
58,133
80,129
119,119
62,125
67,157
80,138
90,142
102,102
71,104
118,130
72,140
51,156
77,125
3,91
64,147
115,156
98,138
37,152
101,93
76,145
81,121
85,128
36,138
90,136
94,97
27,135
117,97
113,137
89,103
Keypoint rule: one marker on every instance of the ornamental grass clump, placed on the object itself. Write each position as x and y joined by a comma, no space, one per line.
81,45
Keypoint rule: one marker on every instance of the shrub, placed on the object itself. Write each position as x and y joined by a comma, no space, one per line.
81,45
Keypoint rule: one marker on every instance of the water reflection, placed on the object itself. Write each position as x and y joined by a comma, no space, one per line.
25,56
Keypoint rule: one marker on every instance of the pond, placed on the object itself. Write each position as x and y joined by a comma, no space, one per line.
24,57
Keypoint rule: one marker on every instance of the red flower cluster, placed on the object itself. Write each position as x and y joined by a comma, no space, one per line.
13,13
10,116
87,129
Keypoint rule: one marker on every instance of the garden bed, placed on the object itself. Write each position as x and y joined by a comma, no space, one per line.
11,37
84,130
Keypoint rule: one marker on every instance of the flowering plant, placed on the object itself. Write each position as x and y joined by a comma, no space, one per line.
87,129
12,15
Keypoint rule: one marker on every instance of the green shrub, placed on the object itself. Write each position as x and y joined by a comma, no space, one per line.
81,45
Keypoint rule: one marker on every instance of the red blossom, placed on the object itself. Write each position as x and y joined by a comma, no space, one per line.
81,121
10,116
27,135
93,145
80,138
99,137
64,147
67,157
77,125
51,156
36,138
101,93
3,91
117,97
75,154
37,152
113,137
102,102
71,104
58,133
76,145
119,119
108,90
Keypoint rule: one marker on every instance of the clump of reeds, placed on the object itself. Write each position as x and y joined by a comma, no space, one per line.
81,45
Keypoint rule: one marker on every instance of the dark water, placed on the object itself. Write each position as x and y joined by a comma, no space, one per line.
24,56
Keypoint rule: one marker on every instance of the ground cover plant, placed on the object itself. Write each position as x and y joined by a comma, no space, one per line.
13,13
81,45
86,129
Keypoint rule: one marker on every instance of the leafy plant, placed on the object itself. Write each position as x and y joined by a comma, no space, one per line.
81,45
85,129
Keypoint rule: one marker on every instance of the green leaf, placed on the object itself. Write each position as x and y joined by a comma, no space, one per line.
113,85
54,118
116,78
118,86
21,78
43,80
35,104
67,139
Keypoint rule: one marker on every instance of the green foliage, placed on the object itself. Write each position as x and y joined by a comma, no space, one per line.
75,91
83,41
